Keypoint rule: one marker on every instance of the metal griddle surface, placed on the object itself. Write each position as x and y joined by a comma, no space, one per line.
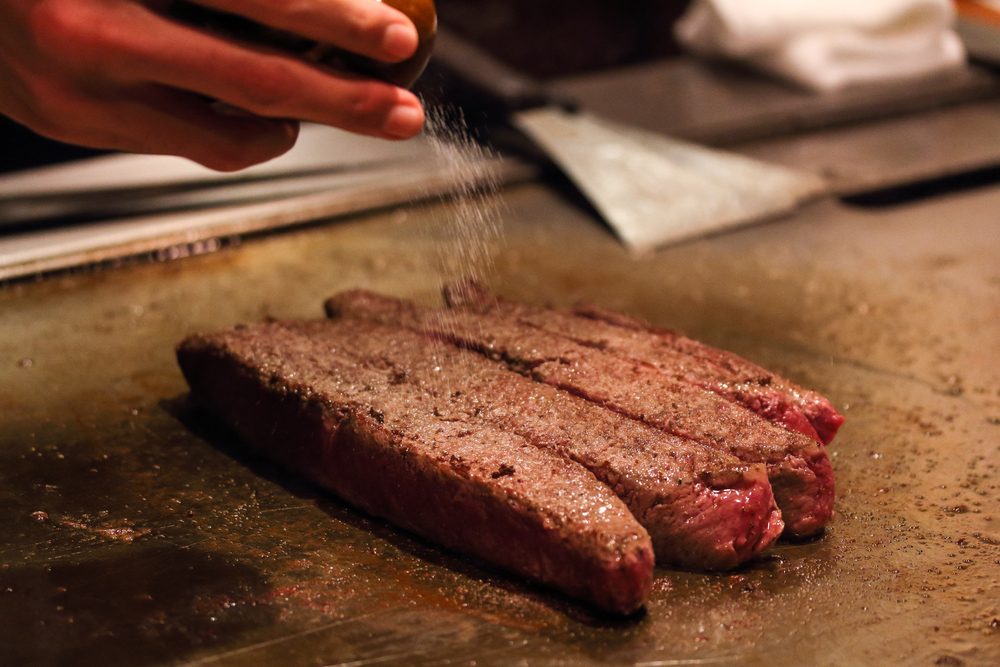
135,531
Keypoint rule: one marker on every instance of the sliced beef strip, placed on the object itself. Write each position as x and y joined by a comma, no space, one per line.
771,396
703,510
471,487
798,467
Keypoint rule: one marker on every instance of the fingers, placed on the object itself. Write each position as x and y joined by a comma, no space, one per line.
177,123
114,74
367,27
157,120
276,86
148,48
272,84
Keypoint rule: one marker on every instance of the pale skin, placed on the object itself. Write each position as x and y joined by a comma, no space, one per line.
117,74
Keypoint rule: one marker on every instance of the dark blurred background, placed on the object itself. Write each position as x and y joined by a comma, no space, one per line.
543,38
548,38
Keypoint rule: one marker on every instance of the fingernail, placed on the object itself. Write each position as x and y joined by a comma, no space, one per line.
399,41
404,121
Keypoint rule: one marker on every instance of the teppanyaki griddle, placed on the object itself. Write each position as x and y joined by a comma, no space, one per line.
137,531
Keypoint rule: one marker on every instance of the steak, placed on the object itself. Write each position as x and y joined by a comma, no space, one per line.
382,444
798,467
703,509
771,396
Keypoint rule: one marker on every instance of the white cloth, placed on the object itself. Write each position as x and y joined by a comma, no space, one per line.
827,44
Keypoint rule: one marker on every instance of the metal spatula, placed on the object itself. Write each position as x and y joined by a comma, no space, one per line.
651,189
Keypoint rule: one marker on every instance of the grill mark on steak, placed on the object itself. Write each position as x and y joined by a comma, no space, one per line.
798,467
703,510
771,396
374,443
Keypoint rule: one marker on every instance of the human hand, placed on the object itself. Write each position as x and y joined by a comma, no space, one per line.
118,74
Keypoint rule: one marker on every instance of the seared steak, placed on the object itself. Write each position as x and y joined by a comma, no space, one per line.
798,467
771,396
365,433
703,509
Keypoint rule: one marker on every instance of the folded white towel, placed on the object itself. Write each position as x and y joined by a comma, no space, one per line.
827,45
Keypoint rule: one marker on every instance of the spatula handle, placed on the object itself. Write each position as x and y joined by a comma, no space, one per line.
493,78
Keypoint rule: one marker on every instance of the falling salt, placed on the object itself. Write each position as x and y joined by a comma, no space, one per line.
472,230
470,235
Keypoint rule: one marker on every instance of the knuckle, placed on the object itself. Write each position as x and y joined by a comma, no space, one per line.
365,29
269,88
65,31
300,8
362,24
357,25
371,102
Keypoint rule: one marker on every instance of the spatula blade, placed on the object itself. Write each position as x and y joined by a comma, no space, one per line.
654,190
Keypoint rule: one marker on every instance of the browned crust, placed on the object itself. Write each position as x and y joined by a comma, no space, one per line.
349,449
703,509
798,467
773,397
767,394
